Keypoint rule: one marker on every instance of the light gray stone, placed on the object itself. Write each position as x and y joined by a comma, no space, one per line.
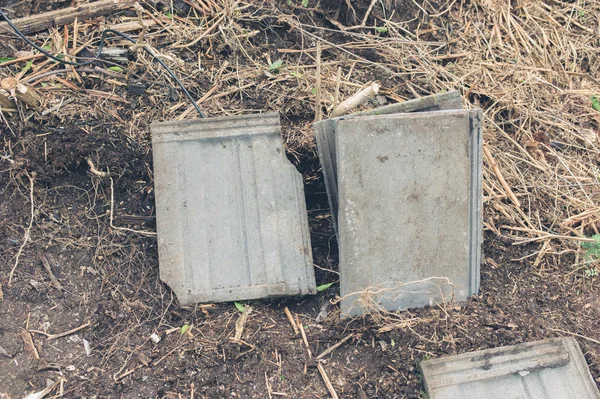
231,213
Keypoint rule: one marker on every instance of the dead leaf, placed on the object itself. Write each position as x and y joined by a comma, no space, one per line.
9,84
143,359
241,321
22,54
6,104
21,92
43,392
589,135
29,346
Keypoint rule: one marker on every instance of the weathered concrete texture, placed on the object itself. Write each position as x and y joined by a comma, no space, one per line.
409,218
325,134
231,213
549,369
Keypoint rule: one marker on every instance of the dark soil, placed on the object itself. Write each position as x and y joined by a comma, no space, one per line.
110,278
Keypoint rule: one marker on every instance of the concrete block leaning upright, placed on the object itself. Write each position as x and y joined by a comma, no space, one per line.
325,134
231,214
408,195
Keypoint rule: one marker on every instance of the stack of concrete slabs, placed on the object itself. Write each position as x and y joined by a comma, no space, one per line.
406,193
550,369
325,133
230,208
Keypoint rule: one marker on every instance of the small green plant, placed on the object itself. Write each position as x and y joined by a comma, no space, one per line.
185,328
275,66
592,249
592,253
304,3
115,68
5,59
27,67
240,307
323,287
381,29
595,103
591,272
297,75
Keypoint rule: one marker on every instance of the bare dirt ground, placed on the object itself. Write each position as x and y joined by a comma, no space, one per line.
531,65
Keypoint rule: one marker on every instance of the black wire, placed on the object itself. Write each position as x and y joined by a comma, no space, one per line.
97,56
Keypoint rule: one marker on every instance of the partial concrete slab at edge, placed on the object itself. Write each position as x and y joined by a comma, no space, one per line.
231,213
325,134
409,218
550,369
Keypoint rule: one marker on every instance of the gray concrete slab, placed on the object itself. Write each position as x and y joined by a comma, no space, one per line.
231,213
325,133
409,217
550,369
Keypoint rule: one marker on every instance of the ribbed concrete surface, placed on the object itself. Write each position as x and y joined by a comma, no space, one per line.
550,369
231,213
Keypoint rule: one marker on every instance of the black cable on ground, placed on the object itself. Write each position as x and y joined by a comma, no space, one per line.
97,56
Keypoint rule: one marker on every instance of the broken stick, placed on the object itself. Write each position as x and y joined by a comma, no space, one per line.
64,334
500,177
301,327
66,16
48,268
291,319
328,383
357,99
334,347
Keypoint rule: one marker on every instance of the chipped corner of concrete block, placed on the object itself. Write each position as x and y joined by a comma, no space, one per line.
231,212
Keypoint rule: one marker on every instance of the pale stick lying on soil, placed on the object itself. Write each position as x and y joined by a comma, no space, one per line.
53,278
357,99
496,169
240,323
327,381
290,318
64,334
334,347
301,327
